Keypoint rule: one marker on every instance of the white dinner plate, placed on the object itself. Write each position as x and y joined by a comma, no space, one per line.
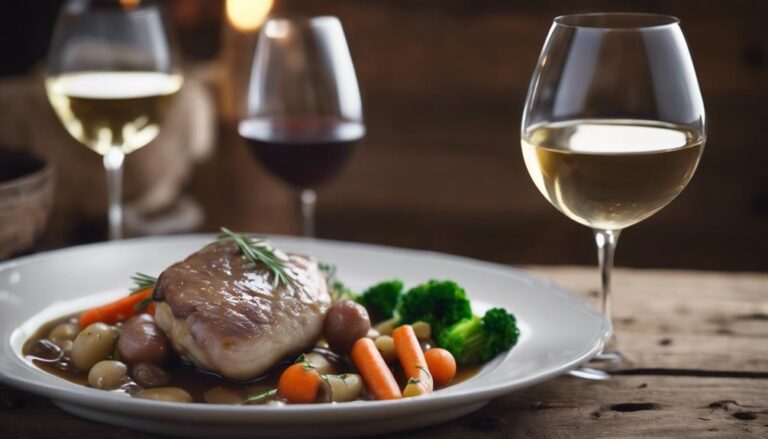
558,332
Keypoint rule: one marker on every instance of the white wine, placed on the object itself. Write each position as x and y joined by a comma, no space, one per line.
112,109
610,174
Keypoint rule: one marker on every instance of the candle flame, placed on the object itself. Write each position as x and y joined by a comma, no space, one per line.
129,4
247,15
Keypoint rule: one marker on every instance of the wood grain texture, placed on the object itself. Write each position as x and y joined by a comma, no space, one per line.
672,319
638,406
621,408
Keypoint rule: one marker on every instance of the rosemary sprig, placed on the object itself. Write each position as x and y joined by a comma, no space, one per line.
257,250
139,307
262,396
142,282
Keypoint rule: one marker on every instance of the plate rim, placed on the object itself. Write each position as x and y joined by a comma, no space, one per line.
106,401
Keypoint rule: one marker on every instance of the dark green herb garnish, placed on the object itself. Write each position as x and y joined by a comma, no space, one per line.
258,251
263,396
328,270
139,307
142,282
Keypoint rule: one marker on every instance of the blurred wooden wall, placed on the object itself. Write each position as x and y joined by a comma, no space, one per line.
444,84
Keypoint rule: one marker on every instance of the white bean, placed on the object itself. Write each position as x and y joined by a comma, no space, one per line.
420,386
168,394
222,395
149,375
319,362
63,333
422,330
387,326
386,345
107,375
345,387
93,344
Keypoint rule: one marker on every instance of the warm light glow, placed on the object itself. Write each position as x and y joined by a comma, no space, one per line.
247,15
129,4
276,29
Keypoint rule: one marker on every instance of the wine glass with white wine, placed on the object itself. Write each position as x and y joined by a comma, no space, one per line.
613,126
112,73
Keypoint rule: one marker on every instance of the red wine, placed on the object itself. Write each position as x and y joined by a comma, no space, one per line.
302,151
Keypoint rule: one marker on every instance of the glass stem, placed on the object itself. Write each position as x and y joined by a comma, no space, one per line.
113,164
308,199
606,246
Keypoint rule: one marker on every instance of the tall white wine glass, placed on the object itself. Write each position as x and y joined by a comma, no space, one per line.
112,72
304,110
613,126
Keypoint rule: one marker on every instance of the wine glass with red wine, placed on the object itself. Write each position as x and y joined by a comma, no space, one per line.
304,111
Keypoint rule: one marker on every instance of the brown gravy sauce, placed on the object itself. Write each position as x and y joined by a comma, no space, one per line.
203,386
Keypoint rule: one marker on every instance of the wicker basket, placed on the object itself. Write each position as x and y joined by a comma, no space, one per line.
26,198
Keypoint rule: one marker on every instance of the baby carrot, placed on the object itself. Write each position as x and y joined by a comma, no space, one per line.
116,311
441,364
409,351
300,383
412,360
372,367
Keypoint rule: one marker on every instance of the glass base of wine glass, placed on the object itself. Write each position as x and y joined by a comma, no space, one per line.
589,373
610,354
599,367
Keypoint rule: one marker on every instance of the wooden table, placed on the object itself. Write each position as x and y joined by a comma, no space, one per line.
697,351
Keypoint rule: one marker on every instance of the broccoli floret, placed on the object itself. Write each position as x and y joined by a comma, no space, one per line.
381,299
439,303
476,340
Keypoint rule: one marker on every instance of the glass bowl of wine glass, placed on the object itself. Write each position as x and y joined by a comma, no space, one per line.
304,110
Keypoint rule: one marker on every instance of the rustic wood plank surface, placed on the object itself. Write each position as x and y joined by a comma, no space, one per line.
697,367
692,320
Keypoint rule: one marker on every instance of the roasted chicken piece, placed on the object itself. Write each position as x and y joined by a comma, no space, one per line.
227,315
